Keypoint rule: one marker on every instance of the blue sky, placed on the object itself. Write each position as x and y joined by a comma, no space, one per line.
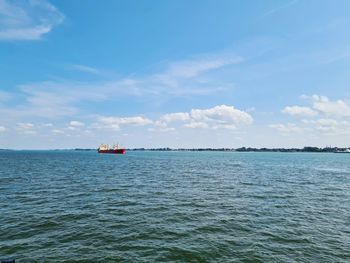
174,73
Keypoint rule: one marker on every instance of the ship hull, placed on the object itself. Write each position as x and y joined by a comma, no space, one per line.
113,151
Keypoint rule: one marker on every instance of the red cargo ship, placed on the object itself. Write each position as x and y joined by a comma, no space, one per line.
104,148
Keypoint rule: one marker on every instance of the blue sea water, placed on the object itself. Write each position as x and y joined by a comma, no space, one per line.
58,206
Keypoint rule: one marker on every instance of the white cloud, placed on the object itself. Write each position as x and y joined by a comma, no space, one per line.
325,122
288,128
165,119
320,105
2,128
225,126
219,117
57,131
114,123
26,128
76,124
333,117
178,116
196,125
338,108
329,125
299,111
24,34
166,129
27,20
194,67
222,114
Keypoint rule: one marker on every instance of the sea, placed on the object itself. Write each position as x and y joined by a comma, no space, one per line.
81,206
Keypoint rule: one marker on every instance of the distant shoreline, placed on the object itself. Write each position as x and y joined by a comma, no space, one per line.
242,149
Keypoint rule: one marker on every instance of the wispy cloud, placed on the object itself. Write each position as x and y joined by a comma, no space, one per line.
4,96
336,58
194,67
84,68
27,20
182,78
279,8
50,99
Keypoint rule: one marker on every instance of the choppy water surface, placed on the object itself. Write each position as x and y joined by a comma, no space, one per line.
174,207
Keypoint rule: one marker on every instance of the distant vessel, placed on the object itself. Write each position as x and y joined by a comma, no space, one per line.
104,148
343,151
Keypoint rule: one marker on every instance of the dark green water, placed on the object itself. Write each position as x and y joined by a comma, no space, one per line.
174,207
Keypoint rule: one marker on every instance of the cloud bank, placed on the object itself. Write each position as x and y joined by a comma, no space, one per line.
323,115
218,117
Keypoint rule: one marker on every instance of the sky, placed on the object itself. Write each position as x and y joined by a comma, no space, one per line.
184,73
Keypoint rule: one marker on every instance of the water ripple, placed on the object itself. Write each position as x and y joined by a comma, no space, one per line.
174,207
